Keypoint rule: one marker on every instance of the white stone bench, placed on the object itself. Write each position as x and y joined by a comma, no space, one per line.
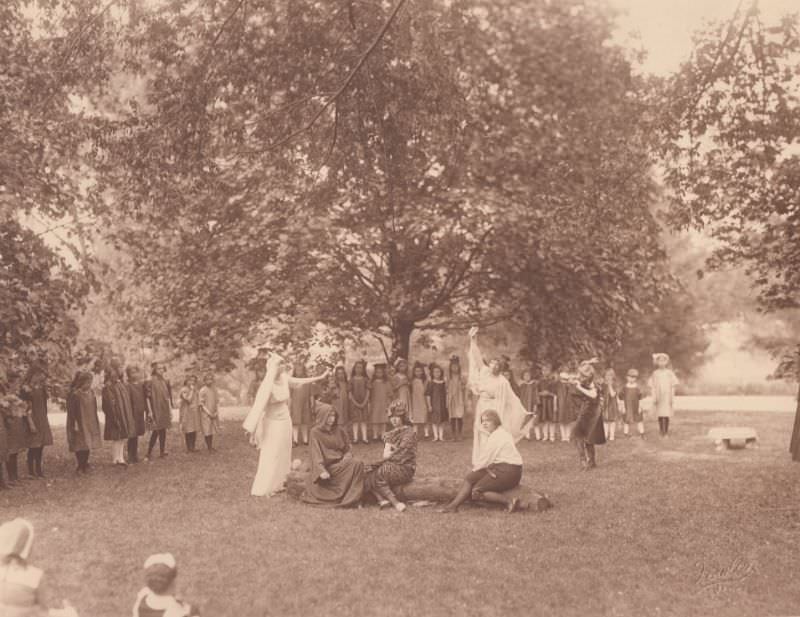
733,437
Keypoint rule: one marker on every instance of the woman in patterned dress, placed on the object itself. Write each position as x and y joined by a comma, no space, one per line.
399,459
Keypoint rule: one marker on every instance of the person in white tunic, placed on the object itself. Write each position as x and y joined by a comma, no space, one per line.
493,392
269,425
498,468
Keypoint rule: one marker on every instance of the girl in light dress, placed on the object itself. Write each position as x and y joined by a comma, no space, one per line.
662,386
419,402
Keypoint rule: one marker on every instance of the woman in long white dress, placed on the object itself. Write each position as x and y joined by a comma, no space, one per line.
269,425
493,392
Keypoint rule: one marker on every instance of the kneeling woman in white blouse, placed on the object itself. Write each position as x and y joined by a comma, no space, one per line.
498,468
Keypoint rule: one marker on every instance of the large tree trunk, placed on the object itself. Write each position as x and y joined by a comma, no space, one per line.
435,489
402,339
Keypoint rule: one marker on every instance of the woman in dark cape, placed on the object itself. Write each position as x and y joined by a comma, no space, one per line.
336,479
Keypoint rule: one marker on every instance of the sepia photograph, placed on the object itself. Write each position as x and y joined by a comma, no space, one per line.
399,308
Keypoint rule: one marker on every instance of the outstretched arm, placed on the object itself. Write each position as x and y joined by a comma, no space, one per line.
475,358
299,381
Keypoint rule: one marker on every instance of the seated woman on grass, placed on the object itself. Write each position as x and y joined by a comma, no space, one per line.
498,468
399,459
336,478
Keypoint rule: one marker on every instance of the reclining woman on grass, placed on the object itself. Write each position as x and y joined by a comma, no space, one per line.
399,459
498,468
336,478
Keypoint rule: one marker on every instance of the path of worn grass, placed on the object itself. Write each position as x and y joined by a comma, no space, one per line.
661,528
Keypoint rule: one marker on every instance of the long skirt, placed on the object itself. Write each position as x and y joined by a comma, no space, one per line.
589,428
344,488
275,456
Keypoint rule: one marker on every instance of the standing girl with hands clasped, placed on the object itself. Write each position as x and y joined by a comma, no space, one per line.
436,393
359,400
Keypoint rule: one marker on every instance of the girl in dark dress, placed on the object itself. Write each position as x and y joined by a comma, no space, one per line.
159,396
588,431
138,396
17,424
336,478
34,391
436,393
359,400
83,426
399,459
116,405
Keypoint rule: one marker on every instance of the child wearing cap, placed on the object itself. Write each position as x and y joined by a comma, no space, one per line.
662,387
20,582
631,397
157,598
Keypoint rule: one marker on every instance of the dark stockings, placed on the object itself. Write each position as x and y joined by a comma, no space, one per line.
161,436
210,442
35,462
191,440
82,457
11,468
133,450
663,425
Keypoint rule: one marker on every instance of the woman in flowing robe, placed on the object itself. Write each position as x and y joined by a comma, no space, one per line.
336,478
269,425
493,392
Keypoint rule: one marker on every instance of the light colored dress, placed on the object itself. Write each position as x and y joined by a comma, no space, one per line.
493,392
190,410
419,404
662,384
209,410
457,397
270,426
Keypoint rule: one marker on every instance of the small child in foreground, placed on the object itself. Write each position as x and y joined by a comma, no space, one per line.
157,598
20,582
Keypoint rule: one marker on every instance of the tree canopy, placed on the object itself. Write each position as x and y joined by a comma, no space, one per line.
382,168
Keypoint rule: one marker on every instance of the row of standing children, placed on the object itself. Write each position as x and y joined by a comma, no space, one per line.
549,398
361,399
130,407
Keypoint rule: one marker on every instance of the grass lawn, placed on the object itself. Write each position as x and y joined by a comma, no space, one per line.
662,527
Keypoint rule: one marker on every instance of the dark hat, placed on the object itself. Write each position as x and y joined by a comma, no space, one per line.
454,359
382,365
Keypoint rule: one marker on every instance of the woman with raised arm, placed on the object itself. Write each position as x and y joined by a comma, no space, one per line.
269,425
493,392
